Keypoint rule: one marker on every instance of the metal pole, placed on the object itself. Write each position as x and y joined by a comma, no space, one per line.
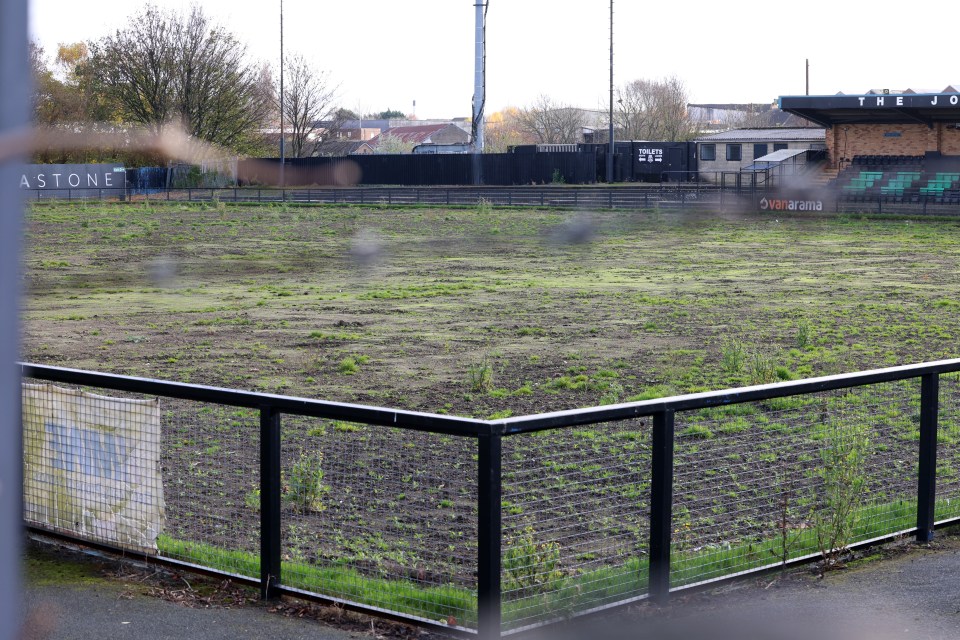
282,135
610,136
661,505
270,488
489,533
479,86
927,474
14,117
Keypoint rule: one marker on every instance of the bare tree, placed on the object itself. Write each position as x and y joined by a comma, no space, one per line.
551,123
654,110
165,67
750,116
307,102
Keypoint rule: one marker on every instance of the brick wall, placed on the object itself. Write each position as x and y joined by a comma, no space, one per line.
949,141
847,141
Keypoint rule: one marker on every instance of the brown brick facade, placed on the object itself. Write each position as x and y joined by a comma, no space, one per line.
849,140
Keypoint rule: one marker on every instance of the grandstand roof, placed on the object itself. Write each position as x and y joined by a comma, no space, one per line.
874,108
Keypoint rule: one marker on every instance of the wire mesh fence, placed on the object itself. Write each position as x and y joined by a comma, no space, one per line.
575,513
948,449
211,471
761,483
389,511
381,516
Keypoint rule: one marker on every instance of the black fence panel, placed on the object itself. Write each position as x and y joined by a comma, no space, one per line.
144,179
499,169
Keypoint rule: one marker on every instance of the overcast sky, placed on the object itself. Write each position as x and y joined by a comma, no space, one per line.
386,54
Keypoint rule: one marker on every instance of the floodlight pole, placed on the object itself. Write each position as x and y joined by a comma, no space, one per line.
610,137
479,85
283,159
14,118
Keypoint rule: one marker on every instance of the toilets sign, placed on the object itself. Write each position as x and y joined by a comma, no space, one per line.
652,154
63,177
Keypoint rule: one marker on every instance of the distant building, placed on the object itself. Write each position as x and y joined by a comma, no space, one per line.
446,133
369,129
716,117
344,148
738,148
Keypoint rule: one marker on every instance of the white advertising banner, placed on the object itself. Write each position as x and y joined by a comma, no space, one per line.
92,466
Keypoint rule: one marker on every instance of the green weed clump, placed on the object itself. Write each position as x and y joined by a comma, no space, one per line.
305,488
804,337
480,376
529,566
733,355
844,481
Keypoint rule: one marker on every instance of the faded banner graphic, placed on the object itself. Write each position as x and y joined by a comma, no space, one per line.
92,466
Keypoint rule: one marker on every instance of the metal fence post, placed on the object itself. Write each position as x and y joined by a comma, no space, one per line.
927,475
14,119
489,448
269,502
661,505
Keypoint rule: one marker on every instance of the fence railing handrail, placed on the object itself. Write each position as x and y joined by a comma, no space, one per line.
414,420
708,399
473,427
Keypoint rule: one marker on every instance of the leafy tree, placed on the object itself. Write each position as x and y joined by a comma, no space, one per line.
393,144
389,114
549,122
341,114
503,130
165,68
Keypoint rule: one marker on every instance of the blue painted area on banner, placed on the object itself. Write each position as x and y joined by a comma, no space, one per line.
88,451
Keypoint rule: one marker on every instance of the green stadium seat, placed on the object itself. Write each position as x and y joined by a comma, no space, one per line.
900,183
864,181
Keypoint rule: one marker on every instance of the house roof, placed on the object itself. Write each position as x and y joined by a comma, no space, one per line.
780,155
777,134
416,135
340,147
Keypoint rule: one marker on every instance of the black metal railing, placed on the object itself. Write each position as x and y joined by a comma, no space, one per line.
909,203
667,195
486,527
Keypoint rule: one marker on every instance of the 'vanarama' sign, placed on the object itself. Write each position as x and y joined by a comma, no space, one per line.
786,204
62,177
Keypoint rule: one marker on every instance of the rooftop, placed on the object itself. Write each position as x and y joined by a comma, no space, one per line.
811,134
906,107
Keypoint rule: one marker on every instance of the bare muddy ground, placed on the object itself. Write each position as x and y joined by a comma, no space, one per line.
482,312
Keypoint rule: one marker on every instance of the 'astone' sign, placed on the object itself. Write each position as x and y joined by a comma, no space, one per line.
63,177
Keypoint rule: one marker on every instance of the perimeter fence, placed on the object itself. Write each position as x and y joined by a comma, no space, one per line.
484,528
691,195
